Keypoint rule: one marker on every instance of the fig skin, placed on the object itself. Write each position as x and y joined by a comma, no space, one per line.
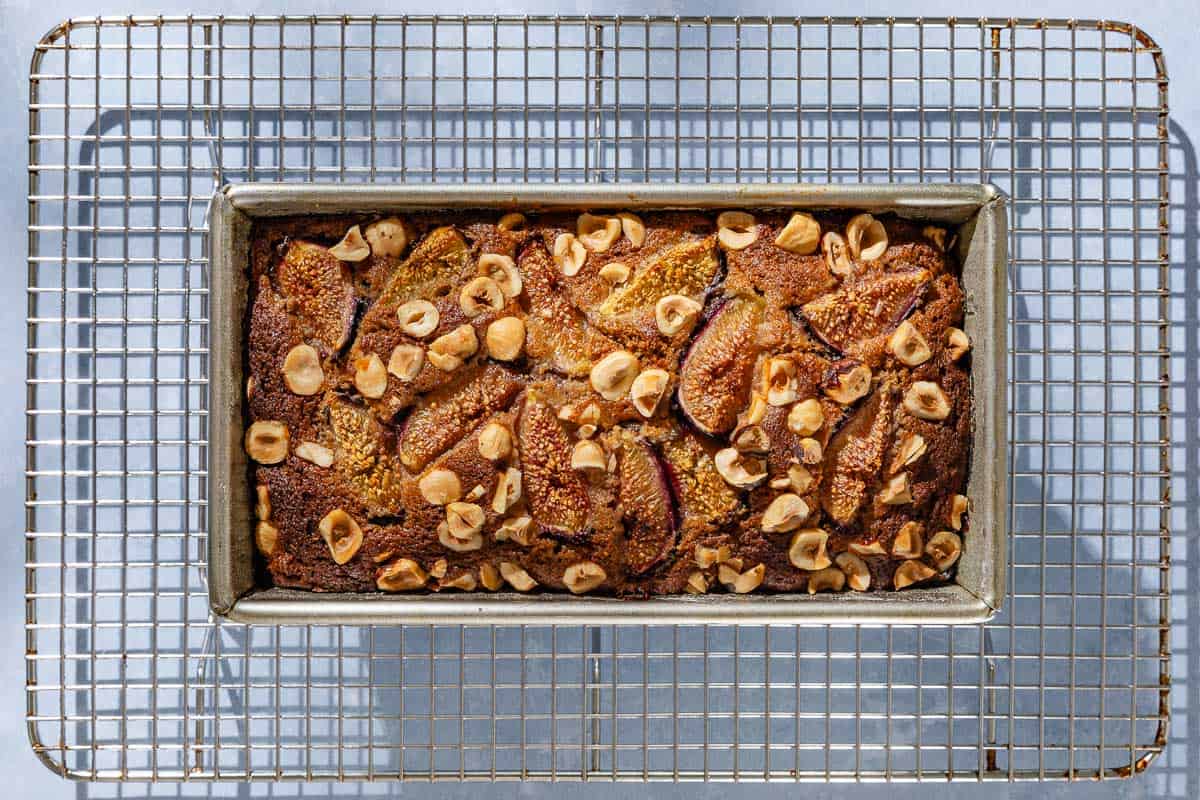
847,320
558,499
651,515
717,372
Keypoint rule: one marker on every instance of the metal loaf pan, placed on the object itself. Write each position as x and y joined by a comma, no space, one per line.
976,211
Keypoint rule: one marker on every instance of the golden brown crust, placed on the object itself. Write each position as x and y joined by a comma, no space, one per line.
588,479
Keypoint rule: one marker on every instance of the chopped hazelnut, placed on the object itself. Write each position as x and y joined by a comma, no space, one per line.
908,345
807,549
696,583
588,455
465,520
810,451
801,235
736,230
302,370
495,442
867,238
806,417
583,577
477,491
707,556
647,390
438,570
569,254
925,400
830,579
785,513
458,545
958,506
516,529
741,582
465,582
266,536
897,491
909,451
489,577
910,541
957,343
388,237
755,412
837,254
314,453
479,296
750,439
262,509
503,272
440,487
517,577
944,547
612,375
872,548
911,572
850,384
675,312
739,469
505,338
633,228
800,479
342,534
370,376
508,490
418,318
614,272
353,247
936,235
406,361
597,233
402,575
512,222
858,576
449,350
267,441
779,381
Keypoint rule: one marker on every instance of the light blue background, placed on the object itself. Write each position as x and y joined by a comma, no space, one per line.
1175,24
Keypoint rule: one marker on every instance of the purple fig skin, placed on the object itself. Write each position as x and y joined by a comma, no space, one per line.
662,533
575,538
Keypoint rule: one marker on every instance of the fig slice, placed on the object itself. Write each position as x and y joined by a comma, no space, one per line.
437,260
867,309
699,490
855,455
650,515
448,414
714,381
363,455
555,331
319,287
558,499
686,269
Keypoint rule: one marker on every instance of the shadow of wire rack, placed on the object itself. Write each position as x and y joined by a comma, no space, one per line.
135,121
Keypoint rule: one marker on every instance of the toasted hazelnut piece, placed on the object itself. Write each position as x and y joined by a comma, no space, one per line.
872,548
910,541
388,237
370,376
866,237
588,455
897,491
633,228
516,529
512,222
440,487
908,345
925,400
495,442
750,439
614,272
736,230
696,583
452,542
807,549
858,576
830,579
936,235
944,547
675,312
583,577
477,491
612,375
505,338
517,578
849,385
503,272
267,441
302,370
837,254
738,469
707,556
569,254
958,506
402,575
438,570
597,233
779,381
262,509
489,576
466,582
957,343
787,512
741,582
589,415
250,384
806,417
810,451
755,412
383,556
734,564
418,318
508,490
911,572
800,479
648,389
342,534
352,247
586,431
464,520
479,296
266,536
314,453
449,350
801,235
912,446
406,362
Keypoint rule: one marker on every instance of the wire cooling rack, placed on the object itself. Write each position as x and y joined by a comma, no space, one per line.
135,121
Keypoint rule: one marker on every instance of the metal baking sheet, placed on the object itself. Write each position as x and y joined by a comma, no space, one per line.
977,211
